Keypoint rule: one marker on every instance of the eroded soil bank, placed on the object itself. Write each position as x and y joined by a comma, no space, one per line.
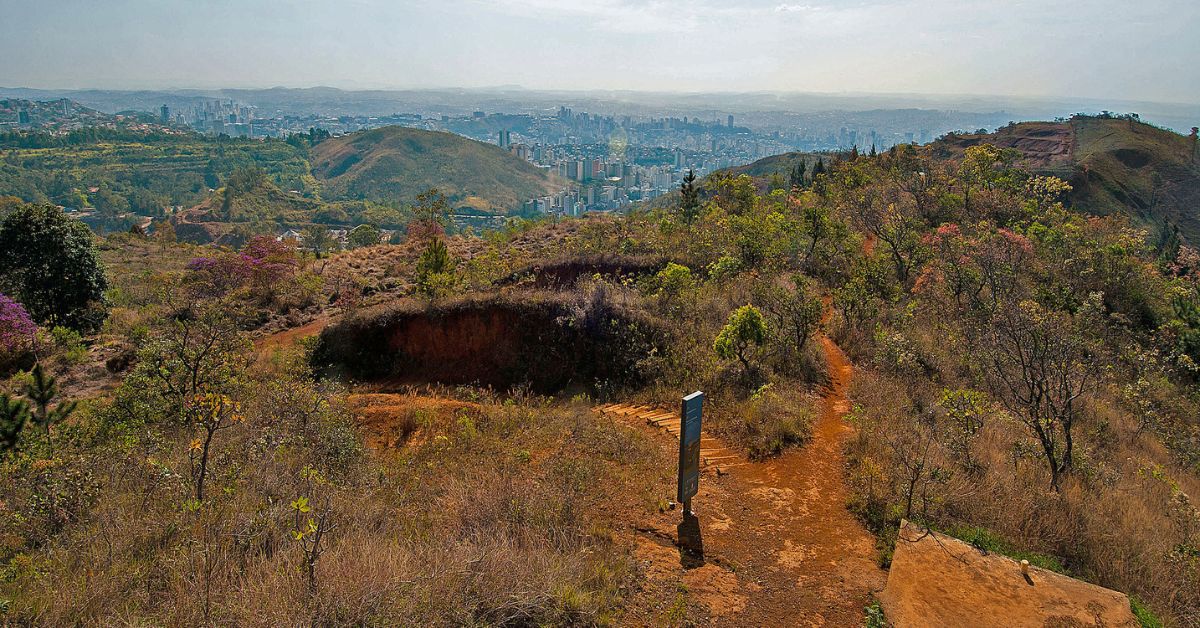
547,341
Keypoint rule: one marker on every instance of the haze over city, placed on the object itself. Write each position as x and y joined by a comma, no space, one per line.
1033,49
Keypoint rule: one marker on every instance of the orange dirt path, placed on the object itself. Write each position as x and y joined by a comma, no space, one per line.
288,337
778,546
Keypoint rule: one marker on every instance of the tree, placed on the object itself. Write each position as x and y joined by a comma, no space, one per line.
198,349
317,239
795,311
881,211
798,173
672,282
1040,364
429,215
964,411
42,389
310,530
689,202
984,166
435,269
48,263
364,235
745,331
209,414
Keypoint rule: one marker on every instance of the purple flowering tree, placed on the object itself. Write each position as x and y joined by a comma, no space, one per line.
17,329
260,264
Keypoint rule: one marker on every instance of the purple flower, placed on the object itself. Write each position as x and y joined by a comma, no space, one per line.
262,262
16,328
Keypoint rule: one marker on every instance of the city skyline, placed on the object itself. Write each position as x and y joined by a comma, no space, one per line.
1100,49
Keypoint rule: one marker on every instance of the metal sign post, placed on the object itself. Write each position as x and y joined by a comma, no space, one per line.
689,449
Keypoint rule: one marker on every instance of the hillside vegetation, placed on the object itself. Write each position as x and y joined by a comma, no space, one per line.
396,162
1025,377
1114,166
116,173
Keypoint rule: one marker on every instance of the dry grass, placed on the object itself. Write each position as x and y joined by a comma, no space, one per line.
1125,520
504,512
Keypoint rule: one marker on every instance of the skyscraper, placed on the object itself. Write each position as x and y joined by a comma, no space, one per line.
164,114
731,120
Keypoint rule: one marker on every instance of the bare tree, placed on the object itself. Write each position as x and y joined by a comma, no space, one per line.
1040,365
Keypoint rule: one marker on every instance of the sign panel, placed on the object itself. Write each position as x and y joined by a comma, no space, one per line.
689,446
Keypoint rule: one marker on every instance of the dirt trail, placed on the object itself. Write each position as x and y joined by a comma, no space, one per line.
287,337
777,545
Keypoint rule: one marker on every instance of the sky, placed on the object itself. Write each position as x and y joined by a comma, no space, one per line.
1148,50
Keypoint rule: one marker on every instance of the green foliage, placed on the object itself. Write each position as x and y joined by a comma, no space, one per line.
70,343
318,240
1144,615
964,410
874,617
987,540
734,194
364,235
140,172
42,390
725,267
48,263
436,270
745,332
674,279
14,415
795,311
689,202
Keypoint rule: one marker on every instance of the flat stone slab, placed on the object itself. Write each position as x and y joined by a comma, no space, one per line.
937,580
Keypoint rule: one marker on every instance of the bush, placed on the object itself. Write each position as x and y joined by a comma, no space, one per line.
766,423
745,332
17,330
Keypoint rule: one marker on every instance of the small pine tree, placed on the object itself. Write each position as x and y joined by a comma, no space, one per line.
819,169
798,173
42,389
435,269
689,202
14,415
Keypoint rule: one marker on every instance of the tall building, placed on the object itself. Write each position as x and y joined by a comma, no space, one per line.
23,116
164,114
504,139
731,121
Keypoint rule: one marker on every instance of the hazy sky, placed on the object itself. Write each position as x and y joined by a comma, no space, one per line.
1148,50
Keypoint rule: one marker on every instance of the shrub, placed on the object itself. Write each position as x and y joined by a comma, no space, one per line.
70,343
17,329
742,335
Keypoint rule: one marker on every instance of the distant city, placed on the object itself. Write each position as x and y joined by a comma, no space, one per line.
612,150
614,161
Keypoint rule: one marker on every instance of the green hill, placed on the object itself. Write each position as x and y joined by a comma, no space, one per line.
776,165
1114,165
393,163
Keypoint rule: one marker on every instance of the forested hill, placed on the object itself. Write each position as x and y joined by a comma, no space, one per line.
396,162
1114,165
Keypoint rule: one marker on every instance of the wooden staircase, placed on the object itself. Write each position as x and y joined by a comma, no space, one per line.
715,457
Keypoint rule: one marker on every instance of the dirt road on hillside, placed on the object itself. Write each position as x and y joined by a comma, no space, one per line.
776,544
